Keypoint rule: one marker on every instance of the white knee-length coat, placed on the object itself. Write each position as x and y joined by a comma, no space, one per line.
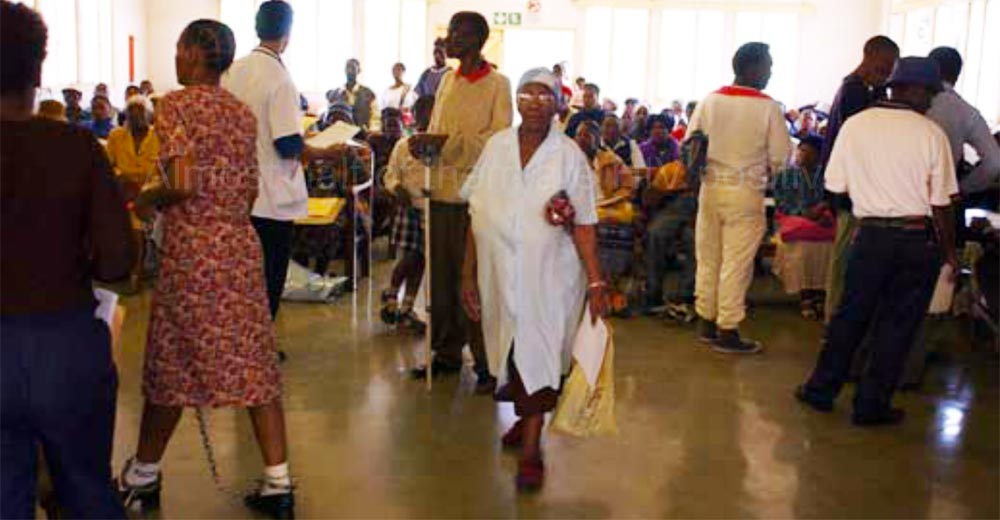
532,283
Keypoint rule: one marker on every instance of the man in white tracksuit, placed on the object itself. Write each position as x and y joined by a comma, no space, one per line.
747,140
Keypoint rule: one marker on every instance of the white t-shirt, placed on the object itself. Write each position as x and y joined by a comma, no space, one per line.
261,81
399,98
892,162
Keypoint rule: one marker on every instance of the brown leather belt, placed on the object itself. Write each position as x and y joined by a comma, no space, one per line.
897,222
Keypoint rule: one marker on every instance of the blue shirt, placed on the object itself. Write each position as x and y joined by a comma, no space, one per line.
795,191
100,128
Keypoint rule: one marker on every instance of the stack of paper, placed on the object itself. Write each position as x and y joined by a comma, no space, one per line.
337,133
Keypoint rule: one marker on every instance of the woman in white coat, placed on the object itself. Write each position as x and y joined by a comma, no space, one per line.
530,262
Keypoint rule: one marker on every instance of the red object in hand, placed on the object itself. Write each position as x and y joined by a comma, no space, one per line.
560,212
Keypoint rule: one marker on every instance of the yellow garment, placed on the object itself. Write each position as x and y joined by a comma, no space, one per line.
135,167
670,177
614,182
469,113
586,412
730,225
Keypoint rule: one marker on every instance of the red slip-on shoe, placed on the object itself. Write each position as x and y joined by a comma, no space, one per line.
530,475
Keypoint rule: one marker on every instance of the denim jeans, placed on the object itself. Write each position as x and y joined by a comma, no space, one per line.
59,389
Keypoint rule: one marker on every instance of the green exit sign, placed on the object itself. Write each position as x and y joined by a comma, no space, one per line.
500,18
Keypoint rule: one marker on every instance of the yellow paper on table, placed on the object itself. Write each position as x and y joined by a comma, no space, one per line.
585,410
322,211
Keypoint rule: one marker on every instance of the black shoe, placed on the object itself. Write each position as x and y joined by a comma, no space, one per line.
729,342
390,309
389,315
282,357
485,384
886,417
437,369
279,506
410,321
810,400
707,331
143,498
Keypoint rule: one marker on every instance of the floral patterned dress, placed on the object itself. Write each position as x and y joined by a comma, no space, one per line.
211,341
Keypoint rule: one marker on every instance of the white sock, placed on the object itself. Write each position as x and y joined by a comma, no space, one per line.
138,474
276,480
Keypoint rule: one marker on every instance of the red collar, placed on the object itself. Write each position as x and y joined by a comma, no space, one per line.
738,91
476,75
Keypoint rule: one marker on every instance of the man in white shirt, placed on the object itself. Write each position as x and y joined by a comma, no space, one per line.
747,140
963,124
897,167
261,81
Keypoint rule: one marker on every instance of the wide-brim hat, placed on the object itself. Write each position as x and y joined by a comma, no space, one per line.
914,70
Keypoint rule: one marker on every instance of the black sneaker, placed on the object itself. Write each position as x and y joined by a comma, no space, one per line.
280,506
886,417
816,403
143,498
390,309
485,383
409,320
438,368
729,342
707,331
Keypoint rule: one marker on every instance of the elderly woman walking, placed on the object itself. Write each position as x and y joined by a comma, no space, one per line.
211,342
529,263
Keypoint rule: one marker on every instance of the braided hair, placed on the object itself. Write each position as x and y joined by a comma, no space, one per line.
215,39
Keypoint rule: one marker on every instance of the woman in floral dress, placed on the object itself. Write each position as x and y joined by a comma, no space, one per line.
211,341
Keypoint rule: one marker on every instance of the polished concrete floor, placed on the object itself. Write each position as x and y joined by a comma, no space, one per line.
702,435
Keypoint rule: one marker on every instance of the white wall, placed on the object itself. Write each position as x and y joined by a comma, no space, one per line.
165,19
128,19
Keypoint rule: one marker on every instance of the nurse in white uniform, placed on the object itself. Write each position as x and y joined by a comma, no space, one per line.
524,277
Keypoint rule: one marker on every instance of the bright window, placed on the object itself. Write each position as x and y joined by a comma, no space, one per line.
324,37
696,48
970,27
60,67
381,43
615,51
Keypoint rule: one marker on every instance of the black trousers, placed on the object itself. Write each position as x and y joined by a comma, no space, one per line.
451,327
59,389
276,241
891,274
